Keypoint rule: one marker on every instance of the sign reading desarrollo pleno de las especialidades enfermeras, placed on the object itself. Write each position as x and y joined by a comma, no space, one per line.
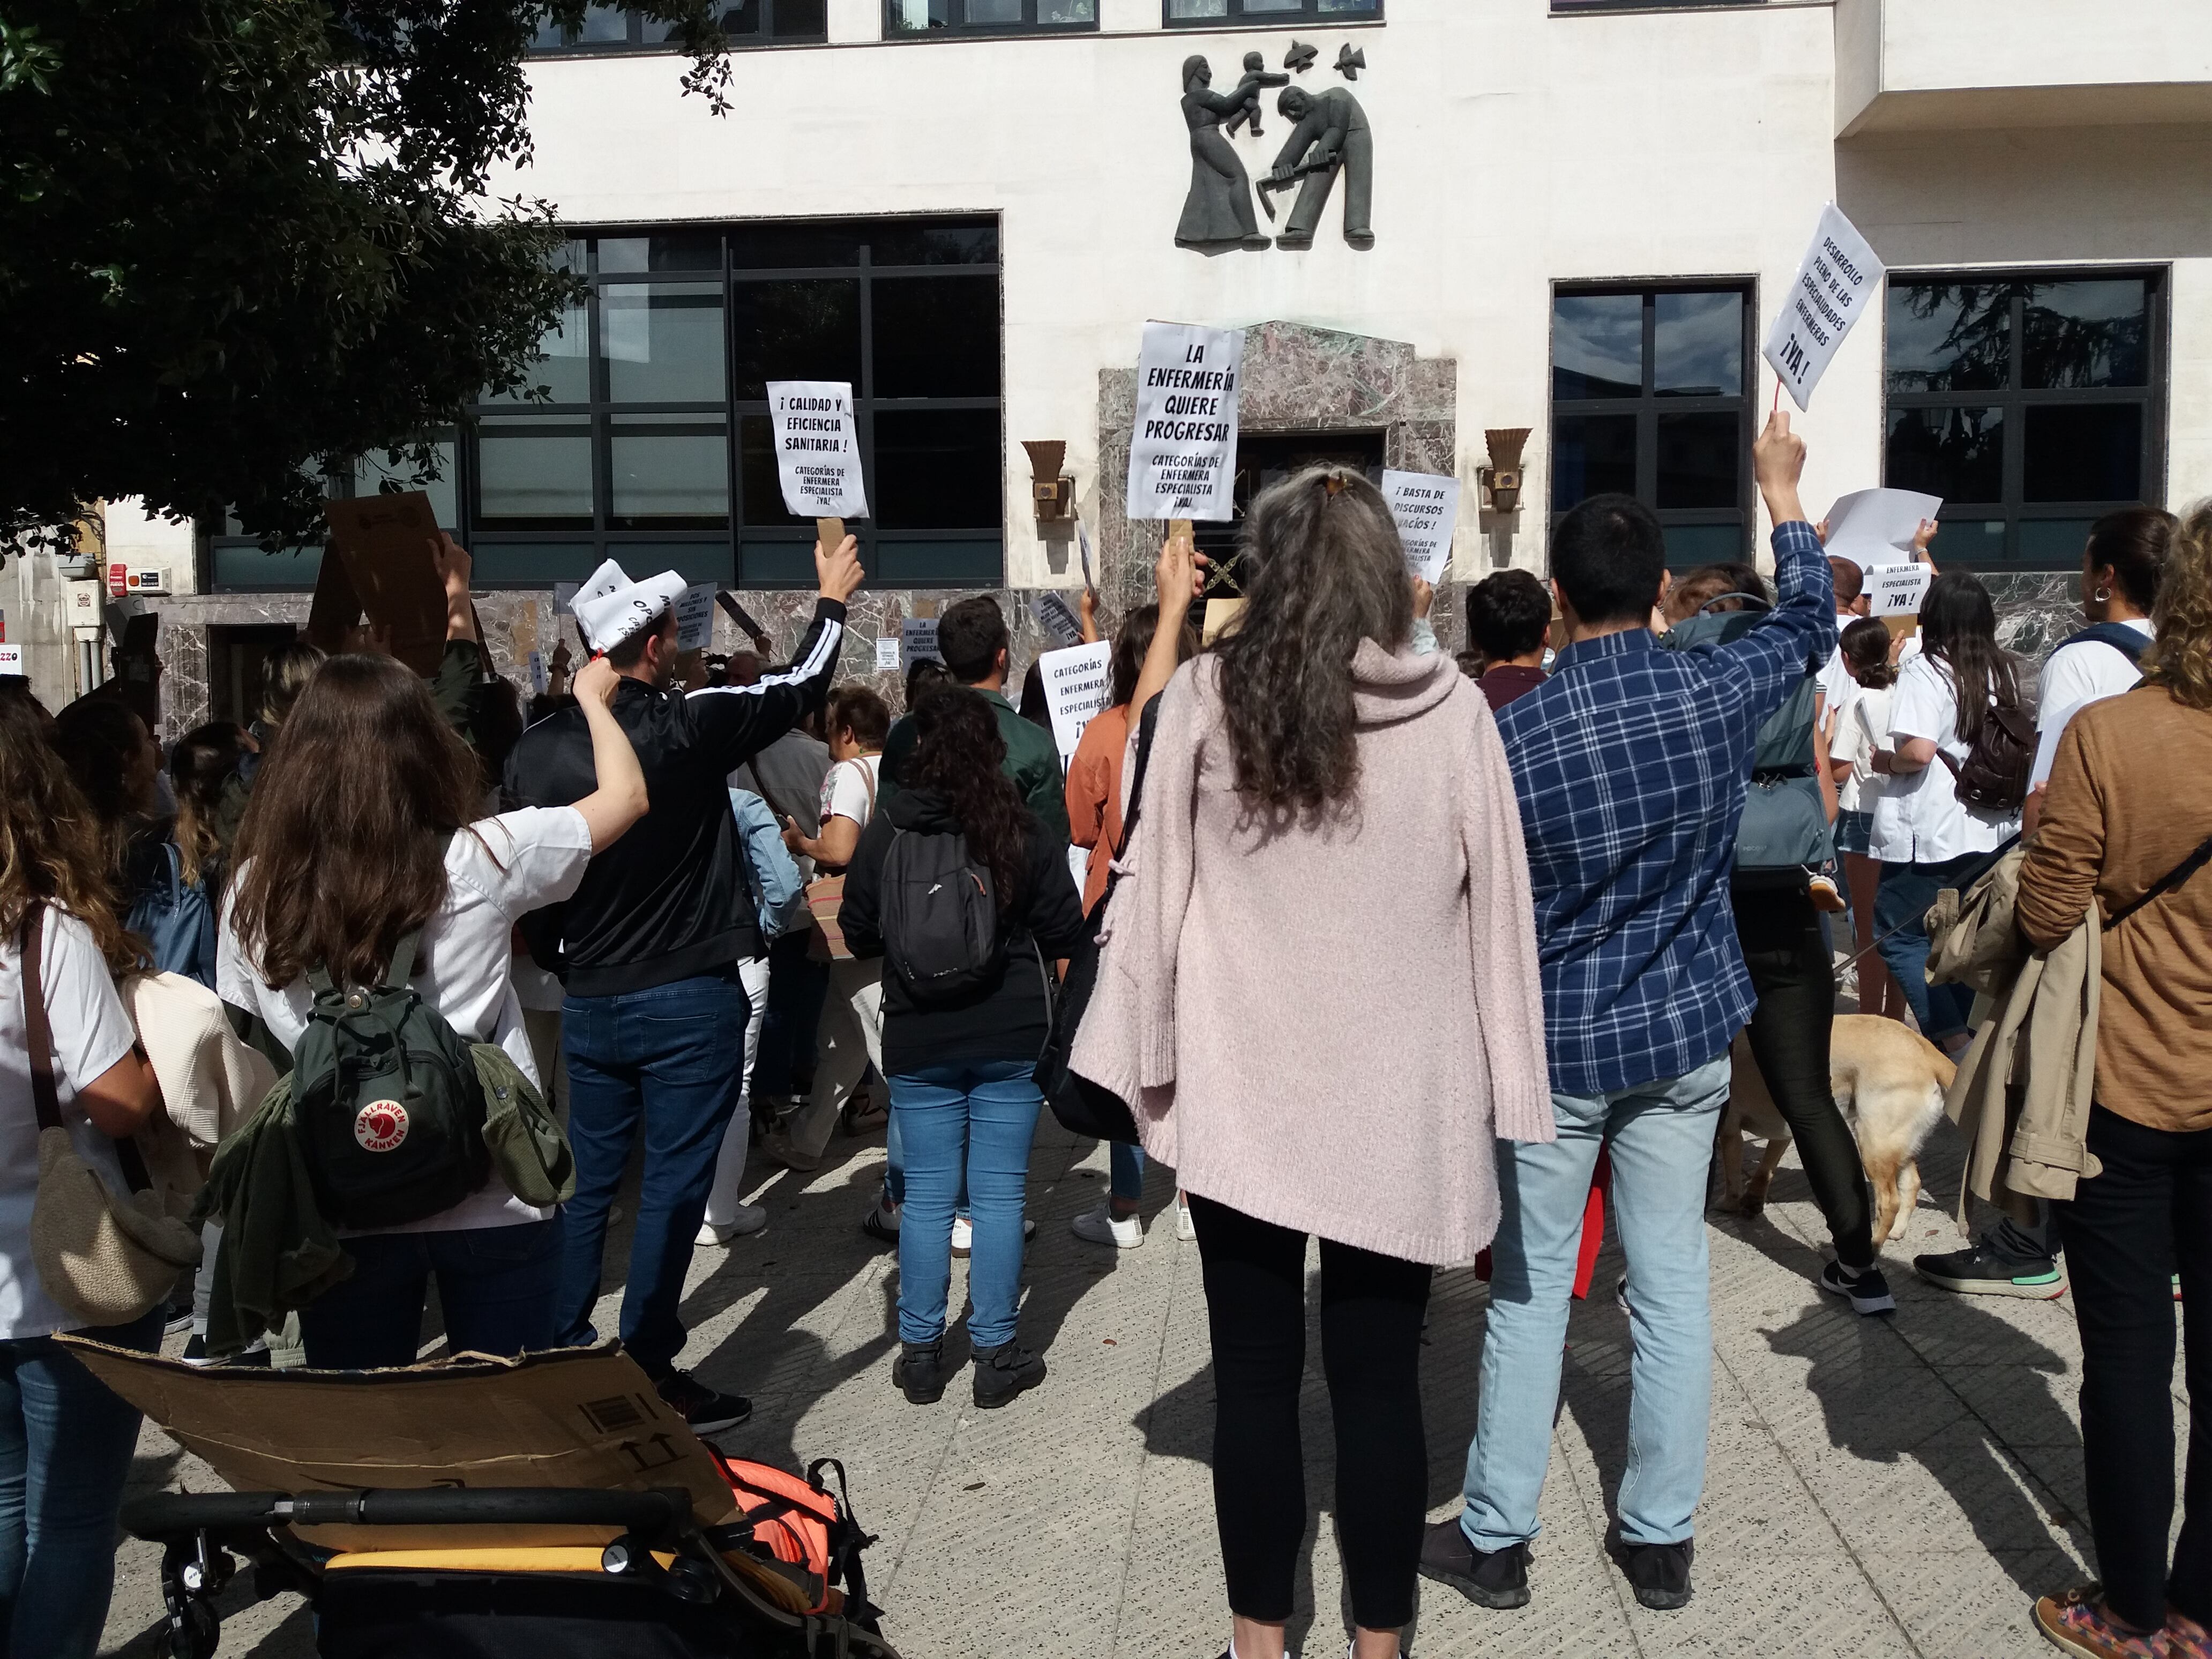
817,451
1182,456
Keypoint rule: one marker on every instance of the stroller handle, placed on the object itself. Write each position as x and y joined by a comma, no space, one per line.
163,1515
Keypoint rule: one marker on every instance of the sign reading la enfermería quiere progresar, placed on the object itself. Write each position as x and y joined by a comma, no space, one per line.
1182,455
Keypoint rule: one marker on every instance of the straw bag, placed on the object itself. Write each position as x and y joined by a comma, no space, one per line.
104,1260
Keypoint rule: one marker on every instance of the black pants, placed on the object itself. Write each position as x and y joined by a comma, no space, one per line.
2127,1232
1371,1308
1796,981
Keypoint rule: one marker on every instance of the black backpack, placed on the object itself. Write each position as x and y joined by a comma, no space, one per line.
1999,762
390,1107
2122,638
940,917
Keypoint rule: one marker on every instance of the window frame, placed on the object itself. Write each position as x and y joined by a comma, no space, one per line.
2013,400
1308,17
633,39
1647,406
893,33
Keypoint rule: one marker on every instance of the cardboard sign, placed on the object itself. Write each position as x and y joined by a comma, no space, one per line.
11,660
918,640
817,451
1896,590
887,654
695,618
1220,617
568,1417
564,598
383,562
1060,625
1183,460
1875,528
1425,507
1836,285
1078,683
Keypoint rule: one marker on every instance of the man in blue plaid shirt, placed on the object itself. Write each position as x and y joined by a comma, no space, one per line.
1631,764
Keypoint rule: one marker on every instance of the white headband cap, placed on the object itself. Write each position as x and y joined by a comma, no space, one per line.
611,608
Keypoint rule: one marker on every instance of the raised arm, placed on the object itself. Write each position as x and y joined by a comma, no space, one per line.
1799,632
620,801
1178,584
737,721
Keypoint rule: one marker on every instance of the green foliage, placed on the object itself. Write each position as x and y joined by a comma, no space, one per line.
240,238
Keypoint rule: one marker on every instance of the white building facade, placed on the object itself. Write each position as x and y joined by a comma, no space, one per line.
1584,214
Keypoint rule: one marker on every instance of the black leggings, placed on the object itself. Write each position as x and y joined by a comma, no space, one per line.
2127,1233
1795,981
1371,1308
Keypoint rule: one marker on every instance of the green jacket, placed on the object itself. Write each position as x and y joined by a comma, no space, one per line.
1032,762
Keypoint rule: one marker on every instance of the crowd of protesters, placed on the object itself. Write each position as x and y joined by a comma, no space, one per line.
759,912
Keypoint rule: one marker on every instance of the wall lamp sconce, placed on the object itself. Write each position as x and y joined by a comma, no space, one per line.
1501,479
1051,490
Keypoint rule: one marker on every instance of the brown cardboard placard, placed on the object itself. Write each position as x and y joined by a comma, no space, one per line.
570,1417
387,545
1220,617
828,535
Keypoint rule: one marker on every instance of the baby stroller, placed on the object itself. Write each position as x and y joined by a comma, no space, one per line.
514,1573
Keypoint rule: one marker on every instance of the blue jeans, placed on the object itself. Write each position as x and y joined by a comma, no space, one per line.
65,1446
672,1058
797,986
978,1117
1125,1166
1906,891
1661,1136
496,1287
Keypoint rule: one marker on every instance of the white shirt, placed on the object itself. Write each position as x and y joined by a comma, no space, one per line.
1838,690
2075,677
1863,728
497,871
849,789
1919,818
91,1032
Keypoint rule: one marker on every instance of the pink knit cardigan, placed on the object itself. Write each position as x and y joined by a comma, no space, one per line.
1327,1026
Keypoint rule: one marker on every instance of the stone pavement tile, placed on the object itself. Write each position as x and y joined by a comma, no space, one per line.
1954,1490
2026,1406
1968,1604
1762,1602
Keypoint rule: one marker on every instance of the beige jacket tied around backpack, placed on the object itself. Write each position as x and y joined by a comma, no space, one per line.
210,1081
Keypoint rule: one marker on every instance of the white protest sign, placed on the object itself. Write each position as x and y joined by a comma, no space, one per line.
1078,683
695,618
1183,460
11,659
1896,590
918,638
817,453
1875,527
1059,623
1427,507
1835,286
538,680
887,654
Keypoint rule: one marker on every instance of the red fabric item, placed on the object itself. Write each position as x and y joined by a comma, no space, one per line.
1593,1239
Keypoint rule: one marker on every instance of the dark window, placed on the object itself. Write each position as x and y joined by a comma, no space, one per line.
1570,7
908,19
744,22
1198,14
1648,400
2031,402
650,441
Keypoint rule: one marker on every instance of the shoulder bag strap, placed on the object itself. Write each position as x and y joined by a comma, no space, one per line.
2174,877
760,783
1147,723
868,777
39,1039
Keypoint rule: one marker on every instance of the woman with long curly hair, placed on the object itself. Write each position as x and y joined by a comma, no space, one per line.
961,1062
2124,841
63,1436
364,830
1330,888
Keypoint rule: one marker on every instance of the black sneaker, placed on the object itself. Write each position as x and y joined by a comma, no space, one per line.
1868,1289
920,1372
1660,1573
1499,1579
1980,1272
882,1223
1003,1372
707,1411
176,1318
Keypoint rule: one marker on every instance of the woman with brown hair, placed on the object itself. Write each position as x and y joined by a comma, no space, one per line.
2123,841
63,1436
364,830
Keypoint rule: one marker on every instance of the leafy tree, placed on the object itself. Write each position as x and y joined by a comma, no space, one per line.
240,238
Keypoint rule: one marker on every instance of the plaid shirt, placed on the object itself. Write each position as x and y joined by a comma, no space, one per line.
1632,762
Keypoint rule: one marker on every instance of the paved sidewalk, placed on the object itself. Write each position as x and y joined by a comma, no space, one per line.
1878,1487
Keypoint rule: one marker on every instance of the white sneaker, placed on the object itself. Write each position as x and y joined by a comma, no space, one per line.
964,1235
1186,1228
750,1218
1102,1226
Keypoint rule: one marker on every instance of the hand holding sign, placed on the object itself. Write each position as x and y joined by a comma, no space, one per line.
839,573
1778,460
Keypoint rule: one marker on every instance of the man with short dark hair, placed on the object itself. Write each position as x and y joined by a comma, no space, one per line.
654,1021
972,638
1631,764
1509,616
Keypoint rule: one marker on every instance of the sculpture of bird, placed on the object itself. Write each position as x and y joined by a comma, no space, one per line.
1300,57
1350,63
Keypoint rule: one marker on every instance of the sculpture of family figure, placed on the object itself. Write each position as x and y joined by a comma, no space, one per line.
1329,134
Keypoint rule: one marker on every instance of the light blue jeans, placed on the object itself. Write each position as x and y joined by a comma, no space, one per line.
1661,1135
979,1118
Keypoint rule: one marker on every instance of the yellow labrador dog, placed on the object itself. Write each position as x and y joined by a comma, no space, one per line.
1889,1082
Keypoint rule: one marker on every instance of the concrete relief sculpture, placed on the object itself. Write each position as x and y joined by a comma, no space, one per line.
1330,135
1217,213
